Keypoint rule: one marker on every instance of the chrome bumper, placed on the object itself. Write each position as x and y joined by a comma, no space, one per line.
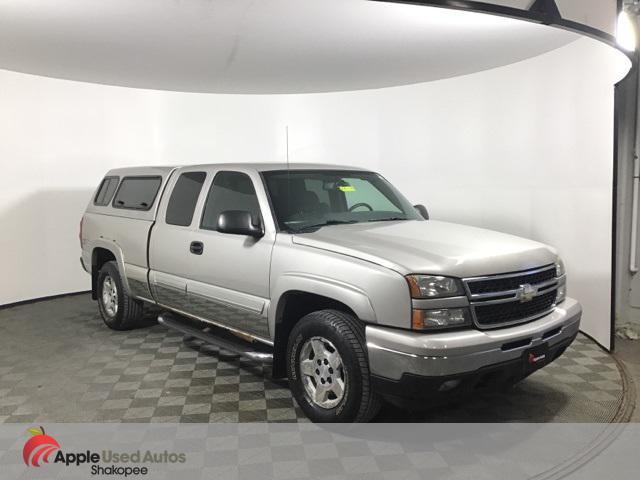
393,352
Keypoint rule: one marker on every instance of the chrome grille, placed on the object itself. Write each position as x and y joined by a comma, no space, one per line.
501,283
508,299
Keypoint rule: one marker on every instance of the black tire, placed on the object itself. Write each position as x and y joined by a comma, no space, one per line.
129,312
346,333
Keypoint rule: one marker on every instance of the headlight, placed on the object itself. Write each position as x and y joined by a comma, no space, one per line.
438,319
562,282
560,268
432,286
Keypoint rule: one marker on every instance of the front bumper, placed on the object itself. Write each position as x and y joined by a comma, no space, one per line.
396,355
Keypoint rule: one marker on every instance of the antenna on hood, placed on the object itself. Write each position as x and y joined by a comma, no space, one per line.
286,130
288,203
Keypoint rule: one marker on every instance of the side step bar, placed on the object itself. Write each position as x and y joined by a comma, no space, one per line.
238,347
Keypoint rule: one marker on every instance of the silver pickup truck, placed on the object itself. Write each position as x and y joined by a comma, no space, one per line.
330,274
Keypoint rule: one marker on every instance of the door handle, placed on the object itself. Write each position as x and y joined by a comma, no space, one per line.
196,248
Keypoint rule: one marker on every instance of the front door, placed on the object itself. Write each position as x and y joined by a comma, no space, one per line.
228,281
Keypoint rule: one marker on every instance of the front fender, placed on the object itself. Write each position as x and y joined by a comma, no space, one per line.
352,296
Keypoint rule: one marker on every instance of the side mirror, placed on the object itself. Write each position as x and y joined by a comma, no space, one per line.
239,222
422,210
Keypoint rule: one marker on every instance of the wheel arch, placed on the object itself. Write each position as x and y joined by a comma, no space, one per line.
102,253
306,295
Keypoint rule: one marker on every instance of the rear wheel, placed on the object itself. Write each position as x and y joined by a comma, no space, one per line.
118,310
328,368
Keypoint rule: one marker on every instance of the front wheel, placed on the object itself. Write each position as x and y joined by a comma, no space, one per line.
328,368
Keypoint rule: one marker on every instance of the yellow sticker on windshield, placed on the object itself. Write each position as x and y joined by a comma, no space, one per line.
346,188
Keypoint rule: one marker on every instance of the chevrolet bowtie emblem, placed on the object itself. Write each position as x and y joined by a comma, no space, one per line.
526,293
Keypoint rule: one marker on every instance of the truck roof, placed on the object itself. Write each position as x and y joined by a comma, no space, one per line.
260,167
265,167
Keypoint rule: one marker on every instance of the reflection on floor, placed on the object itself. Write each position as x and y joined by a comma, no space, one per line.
59,363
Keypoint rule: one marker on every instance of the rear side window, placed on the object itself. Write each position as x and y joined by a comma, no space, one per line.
106,191
184,198
229,191
137,193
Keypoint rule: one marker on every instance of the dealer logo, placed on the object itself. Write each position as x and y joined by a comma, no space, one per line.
39,447
533,359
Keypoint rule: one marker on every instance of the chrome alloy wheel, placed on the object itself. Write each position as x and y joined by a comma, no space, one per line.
322,372
109,296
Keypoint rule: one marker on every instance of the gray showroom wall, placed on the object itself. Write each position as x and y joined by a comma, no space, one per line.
628,263
525,149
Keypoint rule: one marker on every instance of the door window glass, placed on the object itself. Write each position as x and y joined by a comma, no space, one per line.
229,191
184,198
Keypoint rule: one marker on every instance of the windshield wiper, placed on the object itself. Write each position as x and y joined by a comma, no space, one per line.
324,224
390,219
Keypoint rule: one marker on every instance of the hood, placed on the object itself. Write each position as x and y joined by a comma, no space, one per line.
431,247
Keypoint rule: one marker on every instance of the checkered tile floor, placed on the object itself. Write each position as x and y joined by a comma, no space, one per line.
59,363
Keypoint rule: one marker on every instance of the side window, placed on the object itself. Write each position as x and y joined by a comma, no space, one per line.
106,191
137,193
229,191
361,191
184,198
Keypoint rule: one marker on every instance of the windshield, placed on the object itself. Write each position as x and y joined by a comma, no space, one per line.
310,199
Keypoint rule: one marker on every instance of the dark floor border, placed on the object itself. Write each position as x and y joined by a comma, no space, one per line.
629,393
42,299
610,433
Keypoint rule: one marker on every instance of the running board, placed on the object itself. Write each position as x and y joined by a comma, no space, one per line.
238,347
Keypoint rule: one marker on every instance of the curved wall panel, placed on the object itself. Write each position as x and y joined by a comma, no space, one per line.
600,14
525,149
595,18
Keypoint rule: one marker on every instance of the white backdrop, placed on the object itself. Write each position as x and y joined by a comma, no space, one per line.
525,149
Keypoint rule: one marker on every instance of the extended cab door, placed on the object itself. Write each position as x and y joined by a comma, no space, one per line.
170,259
